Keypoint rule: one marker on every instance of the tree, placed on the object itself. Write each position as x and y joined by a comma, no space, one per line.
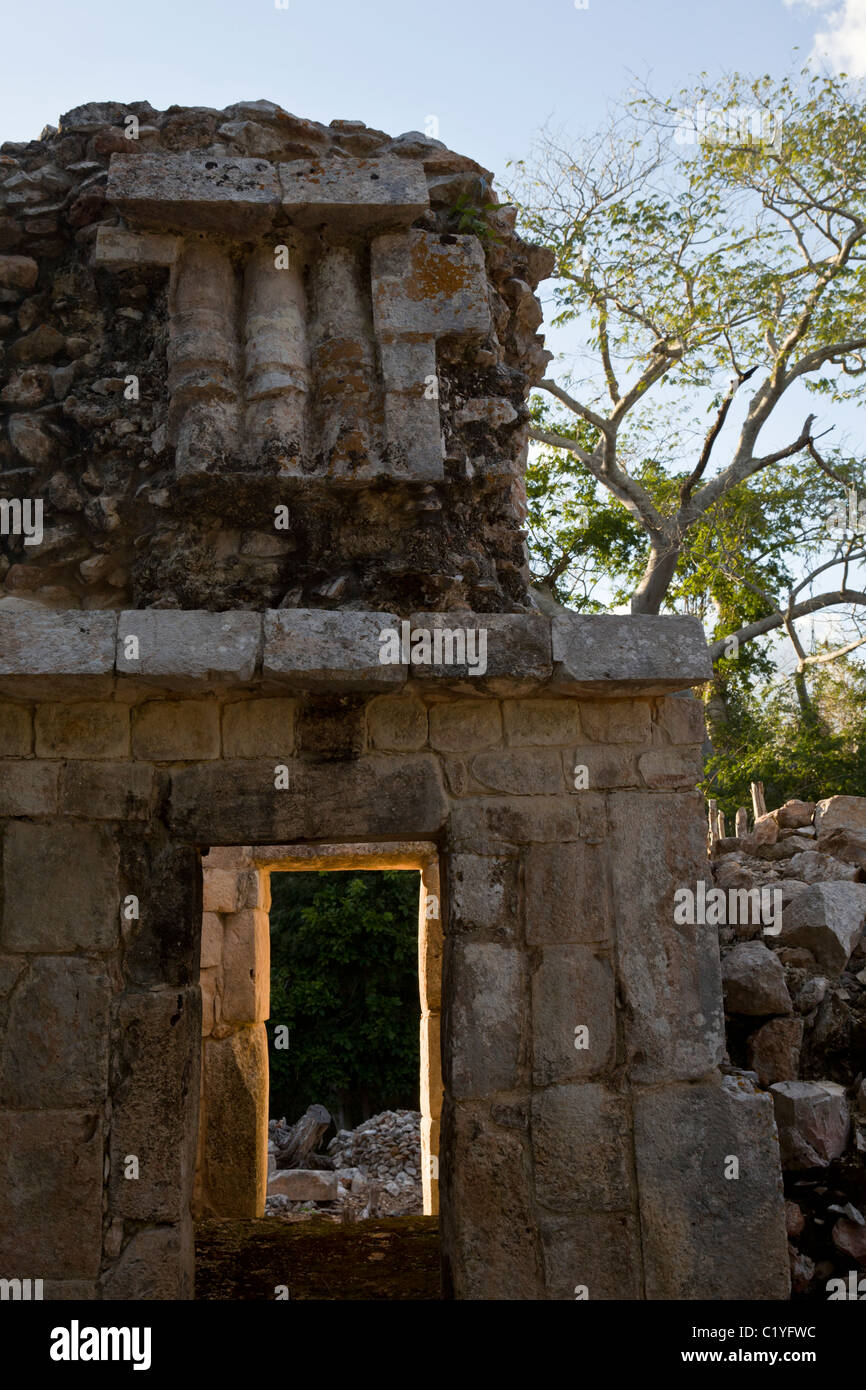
713,256
792,753
344,980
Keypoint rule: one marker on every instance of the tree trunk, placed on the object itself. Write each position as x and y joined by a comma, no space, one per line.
655,581
716,709
303,1138
804,700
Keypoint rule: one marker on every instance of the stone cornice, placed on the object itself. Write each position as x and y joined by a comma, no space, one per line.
329,651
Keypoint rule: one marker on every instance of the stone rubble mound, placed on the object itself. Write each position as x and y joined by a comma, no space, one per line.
795,1002
376,1171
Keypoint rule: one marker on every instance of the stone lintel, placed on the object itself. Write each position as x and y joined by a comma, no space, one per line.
195,192
76,653
403,854
353,195
327,650
39,644
200,192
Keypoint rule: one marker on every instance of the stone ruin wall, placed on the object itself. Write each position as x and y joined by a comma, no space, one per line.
154,258
305,385
560,1167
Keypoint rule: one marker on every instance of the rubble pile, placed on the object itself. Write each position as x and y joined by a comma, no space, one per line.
371,1171
794,976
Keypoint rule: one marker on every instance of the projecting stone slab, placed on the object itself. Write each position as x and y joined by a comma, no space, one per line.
314,649
353,194
193,192
303,1185
429,284
117,249
640,651
706,1233
185,648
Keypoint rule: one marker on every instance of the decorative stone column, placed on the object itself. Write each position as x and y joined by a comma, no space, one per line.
276,356
205,415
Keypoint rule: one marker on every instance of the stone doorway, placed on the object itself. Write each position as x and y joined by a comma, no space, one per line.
231,1167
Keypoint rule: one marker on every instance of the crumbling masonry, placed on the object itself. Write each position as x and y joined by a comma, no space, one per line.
274,402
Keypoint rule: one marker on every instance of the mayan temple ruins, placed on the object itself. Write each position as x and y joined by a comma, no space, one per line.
268,607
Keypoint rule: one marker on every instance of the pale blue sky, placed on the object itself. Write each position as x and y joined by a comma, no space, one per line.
491,70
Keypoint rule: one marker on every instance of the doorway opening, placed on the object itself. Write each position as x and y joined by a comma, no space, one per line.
326,1034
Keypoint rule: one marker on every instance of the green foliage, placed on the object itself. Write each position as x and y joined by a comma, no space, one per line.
344,978
713,282
467,217
794,753
590,550
685,264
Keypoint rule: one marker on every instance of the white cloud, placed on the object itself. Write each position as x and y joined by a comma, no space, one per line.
841,40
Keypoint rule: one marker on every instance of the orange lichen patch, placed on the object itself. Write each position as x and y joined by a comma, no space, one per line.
353,447
343,353
341,367
434,272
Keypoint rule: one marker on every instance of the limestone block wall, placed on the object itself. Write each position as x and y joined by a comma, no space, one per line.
599,1166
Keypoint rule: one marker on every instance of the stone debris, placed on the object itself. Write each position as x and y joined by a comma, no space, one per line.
809,1055
827,919
377,1170
754,981
813,1122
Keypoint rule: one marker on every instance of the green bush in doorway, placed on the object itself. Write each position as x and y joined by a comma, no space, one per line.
344,981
